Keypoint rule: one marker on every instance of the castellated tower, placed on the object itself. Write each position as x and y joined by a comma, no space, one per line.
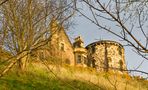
106,55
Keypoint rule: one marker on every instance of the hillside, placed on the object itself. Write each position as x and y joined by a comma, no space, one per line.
39,77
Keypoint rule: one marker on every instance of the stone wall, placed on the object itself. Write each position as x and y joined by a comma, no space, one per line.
80,52
103,55
59,49
60,45
106,55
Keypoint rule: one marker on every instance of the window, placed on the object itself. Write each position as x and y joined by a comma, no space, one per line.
120,50
93,49
67,61
85,60
93,63
62,47
79,59
120,65
77,44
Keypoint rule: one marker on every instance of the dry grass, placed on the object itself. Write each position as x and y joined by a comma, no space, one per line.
108,81
38,77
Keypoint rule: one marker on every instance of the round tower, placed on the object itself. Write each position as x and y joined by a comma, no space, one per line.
106,55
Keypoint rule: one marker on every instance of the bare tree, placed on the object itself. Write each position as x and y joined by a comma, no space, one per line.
126,19
123,18
25,25
2,2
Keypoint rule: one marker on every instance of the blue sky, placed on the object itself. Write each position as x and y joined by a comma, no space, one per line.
91,33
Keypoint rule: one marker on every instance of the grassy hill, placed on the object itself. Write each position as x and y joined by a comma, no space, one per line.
39,77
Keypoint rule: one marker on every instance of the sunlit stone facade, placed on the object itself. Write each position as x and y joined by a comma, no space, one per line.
106,55
103,55
80,52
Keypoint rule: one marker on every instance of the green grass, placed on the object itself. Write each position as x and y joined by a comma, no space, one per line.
37,77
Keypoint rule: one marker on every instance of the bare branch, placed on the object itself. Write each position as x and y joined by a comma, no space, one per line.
3,2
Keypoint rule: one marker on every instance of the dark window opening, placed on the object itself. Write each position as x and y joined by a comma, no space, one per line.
120,51
93,49
79,59
67,61
77,44
85,60
93,63
120,65
62,47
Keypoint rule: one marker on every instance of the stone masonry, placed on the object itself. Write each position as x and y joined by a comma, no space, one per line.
103,55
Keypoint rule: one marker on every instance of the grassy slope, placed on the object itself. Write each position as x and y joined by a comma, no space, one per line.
38,77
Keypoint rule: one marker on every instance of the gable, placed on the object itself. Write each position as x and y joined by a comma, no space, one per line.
61,44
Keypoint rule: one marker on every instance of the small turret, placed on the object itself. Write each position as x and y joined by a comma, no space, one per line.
78,43
80,52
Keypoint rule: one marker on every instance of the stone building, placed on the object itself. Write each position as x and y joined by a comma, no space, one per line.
59,48
80,52
102,55
105,54
61,44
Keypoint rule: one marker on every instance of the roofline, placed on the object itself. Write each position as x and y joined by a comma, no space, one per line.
103,42
61,29
67,37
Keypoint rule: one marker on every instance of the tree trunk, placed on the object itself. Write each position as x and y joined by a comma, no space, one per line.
8,68
22,62
18,57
